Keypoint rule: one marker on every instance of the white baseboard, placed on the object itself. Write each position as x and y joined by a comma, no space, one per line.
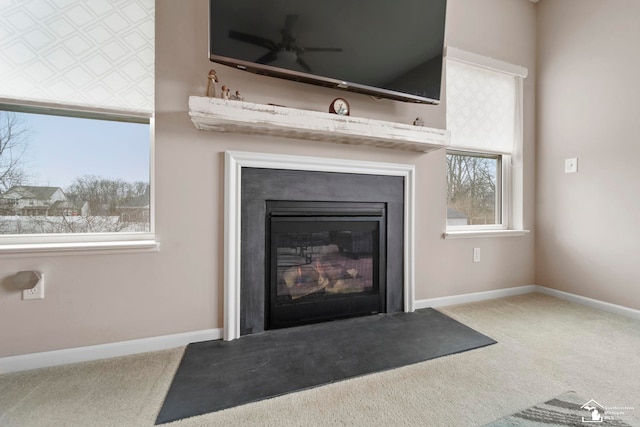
590,302
520,290
104,351
125,348
474,297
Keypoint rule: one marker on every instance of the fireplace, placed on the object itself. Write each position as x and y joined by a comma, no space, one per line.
324,261
318,246
243,298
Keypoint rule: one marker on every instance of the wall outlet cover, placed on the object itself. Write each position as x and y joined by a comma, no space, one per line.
476,254
37,292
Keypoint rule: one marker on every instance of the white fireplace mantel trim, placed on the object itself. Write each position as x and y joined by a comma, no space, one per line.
235,161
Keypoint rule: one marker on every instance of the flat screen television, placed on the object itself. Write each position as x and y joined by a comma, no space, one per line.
383,48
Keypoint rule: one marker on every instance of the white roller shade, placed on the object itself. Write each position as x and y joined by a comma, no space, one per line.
92,54
481,108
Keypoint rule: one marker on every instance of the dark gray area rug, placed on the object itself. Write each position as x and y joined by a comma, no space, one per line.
568,409
215,375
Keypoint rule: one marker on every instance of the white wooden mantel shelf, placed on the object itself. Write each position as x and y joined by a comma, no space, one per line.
248,118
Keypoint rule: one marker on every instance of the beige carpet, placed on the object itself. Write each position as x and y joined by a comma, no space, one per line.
546,347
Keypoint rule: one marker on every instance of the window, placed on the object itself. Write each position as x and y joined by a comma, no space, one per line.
77,175
474,189
76,120
484,164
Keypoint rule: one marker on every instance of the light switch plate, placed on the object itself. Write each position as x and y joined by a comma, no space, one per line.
571,165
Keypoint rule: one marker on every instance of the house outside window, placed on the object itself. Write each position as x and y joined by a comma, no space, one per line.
76,121
484,161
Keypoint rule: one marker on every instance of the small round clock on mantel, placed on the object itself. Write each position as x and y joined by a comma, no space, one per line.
339,106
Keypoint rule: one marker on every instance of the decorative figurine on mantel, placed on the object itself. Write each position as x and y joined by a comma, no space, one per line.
225,93
237,96
211,85
418,122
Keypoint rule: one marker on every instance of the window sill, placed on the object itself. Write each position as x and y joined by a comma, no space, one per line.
469,234
79,248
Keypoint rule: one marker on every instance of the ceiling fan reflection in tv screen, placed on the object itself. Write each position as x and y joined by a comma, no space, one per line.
385,49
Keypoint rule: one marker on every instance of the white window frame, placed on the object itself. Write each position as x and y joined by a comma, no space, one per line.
58,96
85,243
502,195
512,196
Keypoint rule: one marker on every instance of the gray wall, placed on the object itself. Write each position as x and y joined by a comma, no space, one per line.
588,223
97,298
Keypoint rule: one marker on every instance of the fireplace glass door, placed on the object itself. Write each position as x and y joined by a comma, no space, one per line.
324,262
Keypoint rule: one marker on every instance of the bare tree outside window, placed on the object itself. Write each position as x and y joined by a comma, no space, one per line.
473,189
13,146
45,181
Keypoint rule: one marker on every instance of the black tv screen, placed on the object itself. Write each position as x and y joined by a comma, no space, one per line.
388,49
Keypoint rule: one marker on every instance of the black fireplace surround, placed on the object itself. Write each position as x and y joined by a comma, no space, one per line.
319,246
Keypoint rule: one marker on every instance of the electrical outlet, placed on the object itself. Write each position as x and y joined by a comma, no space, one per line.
37,292
476,254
